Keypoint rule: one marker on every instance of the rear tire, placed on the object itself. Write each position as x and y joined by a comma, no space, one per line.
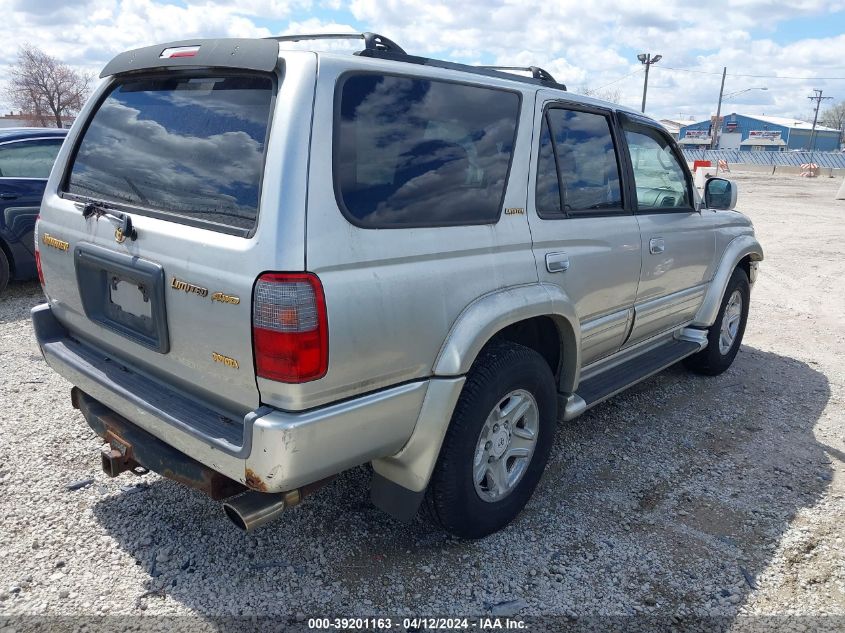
725,335
497,444
5,272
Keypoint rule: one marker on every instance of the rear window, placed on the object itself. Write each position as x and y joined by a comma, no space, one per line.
415,152
190,149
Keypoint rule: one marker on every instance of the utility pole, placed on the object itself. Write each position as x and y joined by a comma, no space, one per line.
716,126
818,99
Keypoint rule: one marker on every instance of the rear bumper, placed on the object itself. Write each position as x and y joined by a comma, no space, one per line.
267,450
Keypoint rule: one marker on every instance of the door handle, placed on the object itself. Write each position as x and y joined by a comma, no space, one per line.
8,196
656,245
557,262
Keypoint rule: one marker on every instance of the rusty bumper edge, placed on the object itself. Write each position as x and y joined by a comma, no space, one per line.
140,448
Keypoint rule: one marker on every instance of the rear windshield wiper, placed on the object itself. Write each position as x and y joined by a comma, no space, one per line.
124,220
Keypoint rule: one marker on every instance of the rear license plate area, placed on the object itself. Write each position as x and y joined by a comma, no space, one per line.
130,298
124,294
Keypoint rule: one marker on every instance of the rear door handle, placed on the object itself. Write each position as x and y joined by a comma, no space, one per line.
656,245
8,196
557,262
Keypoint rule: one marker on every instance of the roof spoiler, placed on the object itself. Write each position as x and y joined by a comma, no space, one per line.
247,54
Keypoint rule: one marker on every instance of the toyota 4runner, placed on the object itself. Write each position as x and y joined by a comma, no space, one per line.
264,267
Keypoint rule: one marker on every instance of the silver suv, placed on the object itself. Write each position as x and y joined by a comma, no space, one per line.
265,266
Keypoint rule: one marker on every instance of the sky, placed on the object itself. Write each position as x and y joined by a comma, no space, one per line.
790,48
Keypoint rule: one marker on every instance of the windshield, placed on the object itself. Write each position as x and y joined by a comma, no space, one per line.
186,147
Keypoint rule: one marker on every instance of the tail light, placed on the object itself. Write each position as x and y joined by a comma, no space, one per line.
38,253
290,336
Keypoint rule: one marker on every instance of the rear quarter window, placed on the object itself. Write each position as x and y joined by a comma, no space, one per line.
418,152
186,148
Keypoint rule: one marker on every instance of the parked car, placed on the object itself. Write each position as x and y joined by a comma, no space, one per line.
264,267
26,157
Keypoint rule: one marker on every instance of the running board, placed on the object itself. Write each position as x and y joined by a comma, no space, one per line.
609,383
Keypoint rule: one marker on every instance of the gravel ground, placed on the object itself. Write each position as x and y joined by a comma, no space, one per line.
686,496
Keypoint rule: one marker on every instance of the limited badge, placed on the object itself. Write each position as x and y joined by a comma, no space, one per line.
178,284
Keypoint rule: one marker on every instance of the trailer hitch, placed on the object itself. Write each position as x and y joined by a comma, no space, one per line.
117,457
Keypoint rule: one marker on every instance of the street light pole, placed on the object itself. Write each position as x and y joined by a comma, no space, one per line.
715,127
648,60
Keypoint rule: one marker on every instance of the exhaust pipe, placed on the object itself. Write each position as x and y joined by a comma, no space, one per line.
252,509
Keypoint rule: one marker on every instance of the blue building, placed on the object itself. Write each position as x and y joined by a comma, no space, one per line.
760,133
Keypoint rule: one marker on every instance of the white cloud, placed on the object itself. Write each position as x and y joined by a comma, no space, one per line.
581,43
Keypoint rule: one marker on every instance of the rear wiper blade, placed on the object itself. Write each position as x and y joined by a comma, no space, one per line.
124,220
94,208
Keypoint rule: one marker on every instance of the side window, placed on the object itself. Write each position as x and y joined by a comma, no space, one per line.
28,159
547,198
581,146
415,152
659,177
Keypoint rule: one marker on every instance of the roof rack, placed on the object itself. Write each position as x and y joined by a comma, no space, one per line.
372,41
376,45
536,71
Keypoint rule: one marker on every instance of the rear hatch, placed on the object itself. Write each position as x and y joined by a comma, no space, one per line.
149,248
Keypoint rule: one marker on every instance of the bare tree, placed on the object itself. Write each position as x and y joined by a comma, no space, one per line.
834,117
612,94
45,89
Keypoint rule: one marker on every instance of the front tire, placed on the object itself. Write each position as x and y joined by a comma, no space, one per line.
725,336
497,444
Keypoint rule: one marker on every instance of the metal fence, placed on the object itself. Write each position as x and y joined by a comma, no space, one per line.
796,159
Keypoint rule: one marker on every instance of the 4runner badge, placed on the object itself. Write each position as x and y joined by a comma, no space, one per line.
49,240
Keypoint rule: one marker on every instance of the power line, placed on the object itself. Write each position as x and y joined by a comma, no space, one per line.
707,72
638,70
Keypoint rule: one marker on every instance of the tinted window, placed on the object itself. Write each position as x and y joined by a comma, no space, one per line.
28,159
586,159
189,147
660,179
414,152
548,187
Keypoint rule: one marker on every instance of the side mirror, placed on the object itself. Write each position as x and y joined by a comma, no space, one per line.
720,193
